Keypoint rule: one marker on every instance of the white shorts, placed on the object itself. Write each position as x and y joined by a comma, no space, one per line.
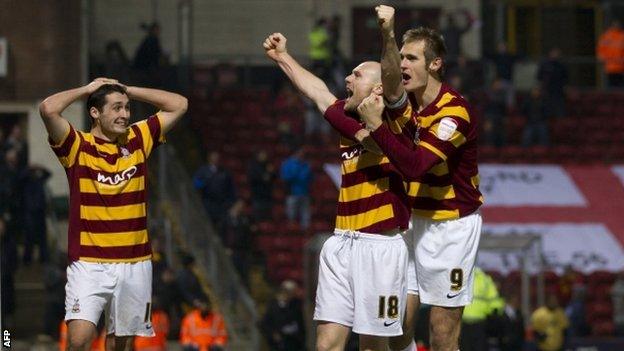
122,290
361,282
442,259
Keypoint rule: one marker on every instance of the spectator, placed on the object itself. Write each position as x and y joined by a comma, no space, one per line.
116,63
496,114
536,111
297,173
567,281
9,189
34,206
282,324
512,336
504,63
149,57
261,176
617,296
149,53
203,329
549,324
15,141
8,266
315,124
470,76
239,239
54,278
217,190
286,137
484,303
553,76
453,34
168,293
320,49
575,311
188,284
610,51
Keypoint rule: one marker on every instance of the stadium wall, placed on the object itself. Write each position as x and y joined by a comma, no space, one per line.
224,28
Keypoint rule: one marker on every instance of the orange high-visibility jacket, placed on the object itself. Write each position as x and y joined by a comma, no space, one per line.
203,332
160,323
611,50
97,345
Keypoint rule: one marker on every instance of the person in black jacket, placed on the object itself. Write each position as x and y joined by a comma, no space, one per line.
282,324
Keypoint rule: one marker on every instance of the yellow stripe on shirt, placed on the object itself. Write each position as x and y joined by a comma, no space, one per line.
440,169
113,239
364,190
122,162
365,219
417,189
455,111
112,213
433,149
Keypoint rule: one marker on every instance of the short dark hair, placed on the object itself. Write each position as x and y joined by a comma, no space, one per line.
434,44
97,99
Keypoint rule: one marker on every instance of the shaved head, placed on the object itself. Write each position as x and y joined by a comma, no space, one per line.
373,70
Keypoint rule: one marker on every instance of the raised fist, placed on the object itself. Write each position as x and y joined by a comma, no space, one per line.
385,17
274,45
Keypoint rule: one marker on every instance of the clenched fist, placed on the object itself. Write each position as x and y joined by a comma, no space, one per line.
370,111
274,45
385,17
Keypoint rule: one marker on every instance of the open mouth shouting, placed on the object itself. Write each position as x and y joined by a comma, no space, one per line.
406,78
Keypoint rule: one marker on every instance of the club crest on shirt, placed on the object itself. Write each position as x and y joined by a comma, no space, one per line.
124,151
446,128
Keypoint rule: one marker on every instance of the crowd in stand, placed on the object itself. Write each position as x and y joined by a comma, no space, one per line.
23,202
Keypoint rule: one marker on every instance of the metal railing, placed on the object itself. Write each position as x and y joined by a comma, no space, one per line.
187,227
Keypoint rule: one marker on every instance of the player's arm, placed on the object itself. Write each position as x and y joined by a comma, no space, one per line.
51,107
391,76
172,106
411,162
306,82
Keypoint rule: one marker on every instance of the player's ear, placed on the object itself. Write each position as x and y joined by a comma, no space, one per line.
435,65
378,89
94,112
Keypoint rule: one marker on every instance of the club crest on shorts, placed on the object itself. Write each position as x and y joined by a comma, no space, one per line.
446,128
76,306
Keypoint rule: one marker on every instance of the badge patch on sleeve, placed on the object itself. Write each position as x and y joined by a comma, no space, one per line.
446,128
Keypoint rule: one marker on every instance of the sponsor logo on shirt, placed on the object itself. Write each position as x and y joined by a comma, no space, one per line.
115,179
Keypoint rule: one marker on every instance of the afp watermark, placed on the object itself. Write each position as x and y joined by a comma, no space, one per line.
6,339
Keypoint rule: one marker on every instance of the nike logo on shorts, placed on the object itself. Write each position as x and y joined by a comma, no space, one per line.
449,296
386,324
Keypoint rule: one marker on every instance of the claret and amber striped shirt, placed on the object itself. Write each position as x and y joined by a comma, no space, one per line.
372,196
107,193
441,166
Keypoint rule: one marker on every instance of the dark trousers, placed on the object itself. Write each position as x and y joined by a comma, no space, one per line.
473,337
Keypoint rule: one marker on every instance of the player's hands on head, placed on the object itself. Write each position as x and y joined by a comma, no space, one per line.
385,17
274,45
98,82
370,110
